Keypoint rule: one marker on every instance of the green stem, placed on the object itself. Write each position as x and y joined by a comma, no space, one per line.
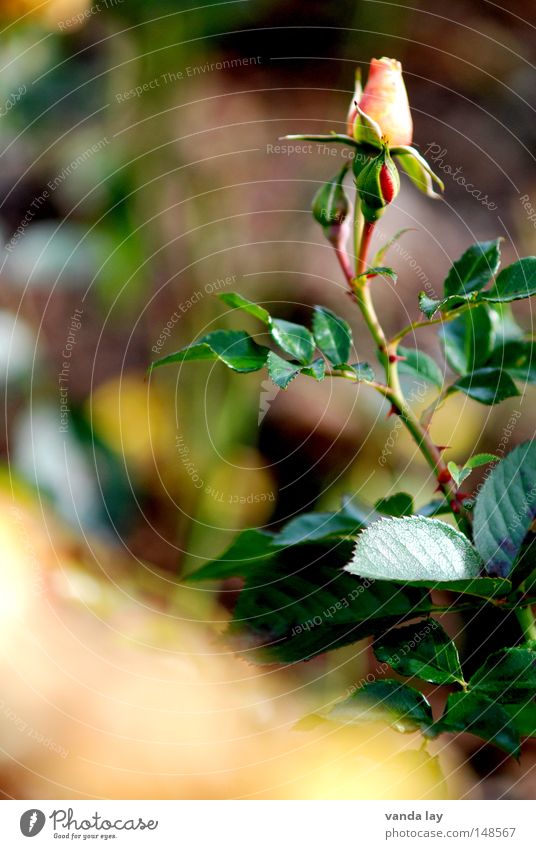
359,222
525,617
393,390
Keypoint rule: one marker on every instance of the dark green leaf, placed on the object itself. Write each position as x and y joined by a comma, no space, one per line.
362,371
505,509
506,327
382,270
487,386
359,371
300,603
479,587
469,339
397,505
235,348
474,269
281,371
423,650
523,717
234,299
414,549
480,715
508,675
317,369
429,306
245,553
419,364
294,339
437,507
312,527
403,707
333,335
515,282
517,358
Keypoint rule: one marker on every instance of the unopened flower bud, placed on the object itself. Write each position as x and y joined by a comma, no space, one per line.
331,206
385,101
378,185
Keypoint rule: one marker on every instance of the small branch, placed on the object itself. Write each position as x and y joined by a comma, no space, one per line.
430,411
344,262
443,319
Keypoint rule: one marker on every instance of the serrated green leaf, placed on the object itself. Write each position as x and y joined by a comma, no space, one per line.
420,365
313,527
505,509
508,675
487,386
294,339
401,706
317,369
235,348
480,715
429,306
517,357
234,299
363,371
523,717
474,269
514,283
300,603
468,340
281,371
332,334
400,504
423,650
414,549
380,270
480,460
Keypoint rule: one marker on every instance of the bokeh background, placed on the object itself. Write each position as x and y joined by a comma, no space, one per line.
141,172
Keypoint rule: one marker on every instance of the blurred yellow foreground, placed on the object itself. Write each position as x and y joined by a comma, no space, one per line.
108,691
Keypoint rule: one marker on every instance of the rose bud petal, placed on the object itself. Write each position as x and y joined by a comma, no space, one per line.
385,100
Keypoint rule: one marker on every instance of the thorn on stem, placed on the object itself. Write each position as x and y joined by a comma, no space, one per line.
444,476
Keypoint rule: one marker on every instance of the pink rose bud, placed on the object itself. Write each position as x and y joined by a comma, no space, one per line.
385,100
